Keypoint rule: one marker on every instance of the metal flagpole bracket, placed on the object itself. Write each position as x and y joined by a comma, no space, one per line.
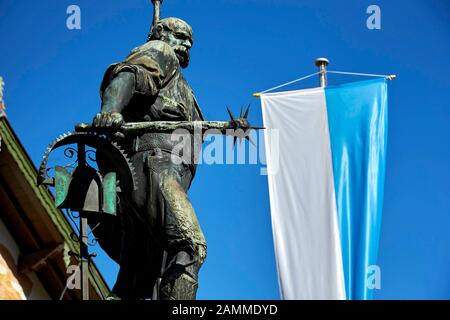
322,64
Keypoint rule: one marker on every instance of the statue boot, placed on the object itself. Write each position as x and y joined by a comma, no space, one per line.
180,280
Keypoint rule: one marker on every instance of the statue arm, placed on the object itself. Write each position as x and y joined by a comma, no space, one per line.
115,97
119,92
140,74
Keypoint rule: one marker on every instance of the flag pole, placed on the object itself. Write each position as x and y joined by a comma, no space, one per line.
322,64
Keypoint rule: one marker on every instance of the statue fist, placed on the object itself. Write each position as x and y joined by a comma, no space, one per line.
108,120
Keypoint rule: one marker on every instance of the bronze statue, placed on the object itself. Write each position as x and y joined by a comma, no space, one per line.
149,86
157,239
134,198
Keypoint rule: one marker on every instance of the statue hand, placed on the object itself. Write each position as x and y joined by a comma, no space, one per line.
108,120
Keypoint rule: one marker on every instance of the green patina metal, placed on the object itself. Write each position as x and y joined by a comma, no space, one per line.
89,190
109,193
62,183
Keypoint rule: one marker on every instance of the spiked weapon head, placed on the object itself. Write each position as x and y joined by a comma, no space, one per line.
241,126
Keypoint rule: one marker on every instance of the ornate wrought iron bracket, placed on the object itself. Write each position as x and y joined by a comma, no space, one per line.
87,189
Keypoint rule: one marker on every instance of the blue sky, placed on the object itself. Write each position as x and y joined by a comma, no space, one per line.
53,74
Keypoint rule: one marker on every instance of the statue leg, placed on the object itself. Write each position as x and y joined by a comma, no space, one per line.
180,281
186,245
124,288
139,251
185,242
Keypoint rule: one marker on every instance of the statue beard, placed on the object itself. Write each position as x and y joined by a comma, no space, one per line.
183,56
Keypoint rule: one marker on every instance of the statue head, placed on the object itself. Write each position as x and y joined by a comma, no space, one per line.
176,33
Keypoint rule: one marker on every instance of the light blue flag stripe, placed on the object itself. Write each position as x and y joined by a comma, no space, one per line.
357,118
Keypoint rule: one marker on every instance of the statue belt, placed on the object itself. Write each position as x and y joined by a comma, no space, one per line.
161,141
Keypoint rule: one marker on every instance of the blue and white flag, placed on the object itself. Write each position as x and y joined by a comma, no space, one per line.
326,170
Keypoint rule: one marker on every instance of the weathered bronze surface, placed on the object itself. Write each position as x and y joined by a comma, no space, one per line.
135,197
156,237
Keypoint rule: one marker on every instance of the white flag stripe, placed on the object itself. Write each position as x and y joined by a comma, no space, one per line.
302,196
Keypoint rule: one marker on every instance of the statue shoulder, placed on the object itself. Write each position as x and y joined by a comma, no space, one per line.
155,57
157,50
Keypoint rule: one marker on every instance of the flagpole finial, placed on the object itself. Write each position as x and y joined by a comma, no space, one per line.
322,64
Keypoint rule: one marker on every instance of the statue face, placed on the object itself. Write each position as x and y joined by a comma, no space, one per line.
181,42
178,34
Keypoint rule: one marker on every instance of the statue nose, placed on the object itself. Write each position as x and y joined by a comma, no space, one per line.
187,44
